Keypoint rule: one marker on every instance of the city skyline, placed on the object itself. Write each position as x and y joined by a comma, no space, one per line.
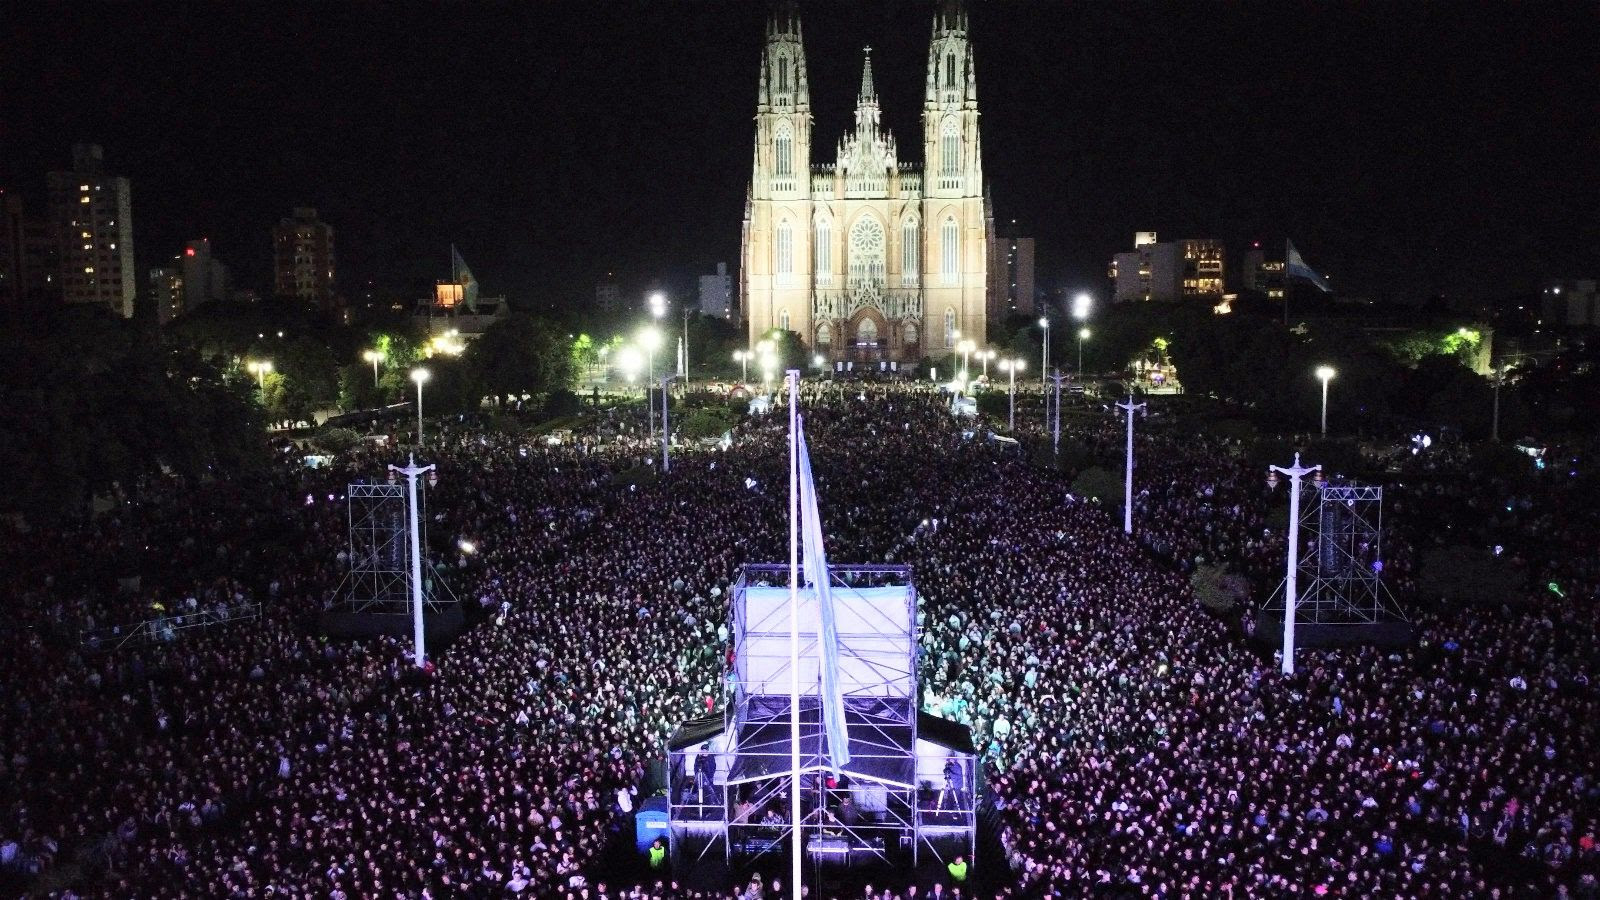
1414,151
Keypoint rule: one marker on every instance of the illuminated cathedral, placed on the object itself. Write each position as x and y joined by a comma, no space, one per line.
867,257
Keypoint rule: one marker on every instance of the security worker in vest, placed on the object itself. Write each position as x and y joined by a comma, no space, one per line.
958,870
658,857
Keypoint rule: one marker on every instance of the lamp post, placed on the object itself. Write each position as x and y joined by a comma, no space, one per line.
986,356
419,376
650,340
1055,430
966,347
742,357
666,429
260,368
1044,351
1012,366
1494,423
1083,335
1127,481
374,357
1290,595
1325,373
411,471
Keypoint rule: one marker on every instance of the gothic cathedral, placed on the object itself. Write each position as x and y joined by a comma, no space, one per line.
867,258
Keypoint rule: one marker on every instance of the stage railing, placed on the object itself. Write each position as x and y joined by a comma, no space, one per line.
165,628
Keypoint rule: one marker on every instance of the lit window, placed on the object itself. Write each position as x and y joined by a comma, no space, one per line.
950,70
783,73
785,150
950,149
83,199
949,257
950,327
88,270
909,255
785,249
824,250
88,246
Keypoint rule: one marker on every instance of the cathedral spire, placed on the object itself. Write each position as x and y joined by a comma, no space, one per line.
867,101
868,93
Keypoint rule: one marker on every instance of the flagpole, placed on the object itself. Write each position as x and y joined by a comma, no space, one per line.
1286,282
796,848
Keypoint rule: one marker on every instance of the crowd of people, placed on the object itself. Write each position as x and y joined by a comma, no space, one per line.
1133,742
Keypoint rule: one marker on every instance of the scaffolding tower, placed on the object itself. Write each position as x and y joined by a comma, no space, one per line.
1341,560
379,577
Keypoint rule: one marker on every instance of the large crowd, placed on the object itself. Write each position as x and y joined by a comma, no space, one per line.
1133,742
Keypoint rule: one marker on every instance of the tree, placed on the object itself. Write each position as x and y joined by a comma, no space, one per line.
520,354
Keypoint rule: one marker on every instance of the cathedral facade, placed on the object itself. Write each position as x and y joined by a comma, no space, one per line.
867,258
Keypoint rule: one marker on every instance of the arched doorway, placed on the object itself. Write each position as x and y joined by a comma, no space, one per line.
869,337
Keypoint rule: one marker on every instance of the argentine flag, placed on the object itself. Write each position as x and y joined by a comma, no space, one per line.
1295,267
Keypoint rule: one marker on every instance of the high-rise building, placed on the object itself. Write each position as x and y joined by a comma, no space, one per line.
205,279
867,257
1569,302
1189,269
92,214
1011,285
303,261
30,260
166,292
1259,275
607,296
716,293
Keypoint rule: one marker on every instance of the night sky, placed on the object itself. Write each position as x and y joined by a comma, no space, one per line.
1406,148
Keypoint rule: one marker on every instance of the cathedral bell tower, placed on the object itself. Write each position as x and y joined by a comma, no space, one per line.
954,200
776,285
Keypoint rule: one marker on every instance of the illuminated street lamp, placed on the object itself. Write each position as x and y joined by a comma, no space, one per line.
966,347
650,340
658,305
1083,335
260,368
818,361
1012,366
1081,305
630,362
1325,373
373,357
419,376
1044,361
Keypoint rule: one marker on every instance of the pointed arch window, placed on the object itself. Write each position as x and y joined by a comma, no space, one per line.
824,334
910,258
950,327
785,252
949,251
867,332
824,251
784,151
783,73
950,70
911,334
949,149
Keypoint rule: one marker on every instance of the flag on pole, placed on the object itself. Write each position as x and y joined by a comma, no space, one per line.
1295,267
462,275
815,567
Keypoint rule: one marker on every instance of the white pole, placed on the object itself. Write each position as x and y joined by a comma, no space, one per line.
1291,579
1324,407
796,844
666,429
419,413
412,471
1011,414
1494,428
1127,482
1055,438
650,396
374,371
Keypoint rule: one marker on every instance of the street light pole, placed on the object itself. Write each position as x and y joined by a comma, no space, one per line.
1055,433
1044,352
1494,427
419,376
666,427
411,471
1127,482
1083,335
373,356
1291,585
1325,373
